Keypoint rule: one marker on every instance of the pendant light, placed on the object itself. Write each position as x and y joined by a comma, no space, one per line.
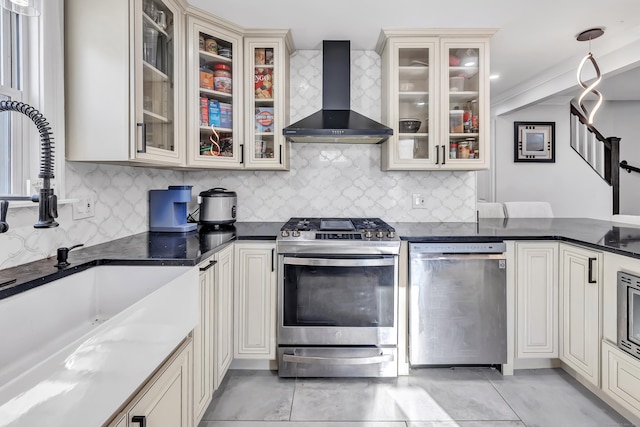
589,35
22,7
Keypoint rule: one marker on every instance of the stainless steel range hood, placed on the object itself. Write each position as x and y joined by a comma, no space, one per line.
336,122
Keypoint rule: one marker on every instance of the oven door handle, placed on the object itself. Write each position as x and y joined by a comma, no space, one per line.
334,262
318,360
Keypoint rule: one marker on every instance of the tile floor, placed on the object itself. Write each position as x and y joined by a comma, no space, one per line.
434,397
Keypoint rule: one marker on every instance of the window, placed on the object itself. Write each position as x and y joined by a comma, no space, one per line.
28,46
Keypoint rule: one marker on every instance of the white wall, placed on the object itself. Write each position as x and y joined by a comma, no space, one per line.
569,184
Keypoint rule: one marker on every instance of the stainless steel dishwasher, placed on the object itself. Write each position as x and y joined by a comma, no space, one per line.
457,304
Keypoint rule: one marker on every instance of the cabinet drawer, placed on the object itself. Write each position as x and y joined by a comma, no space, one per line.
621,377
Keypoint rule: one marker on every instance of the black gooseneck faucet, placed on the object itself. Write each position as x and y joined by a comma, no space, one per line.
47,200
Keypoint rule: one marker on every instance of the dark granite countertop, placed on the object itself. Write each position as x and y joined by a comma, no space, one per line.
148,248
191,248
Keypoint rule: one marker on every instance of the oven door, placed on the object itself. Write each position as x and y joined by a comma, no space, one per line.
342,300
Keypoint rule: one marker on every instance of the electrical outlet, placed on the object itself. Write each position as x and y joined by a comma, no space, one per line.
417,201
84,207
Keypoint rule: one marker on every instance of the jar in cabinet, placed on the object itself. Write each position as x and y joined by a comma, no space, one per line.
222,78
463,150
453,150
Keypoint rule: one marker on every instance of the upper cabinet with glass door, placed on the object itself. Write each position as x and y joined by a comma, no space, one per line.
267,99
214,101
430,94
124,97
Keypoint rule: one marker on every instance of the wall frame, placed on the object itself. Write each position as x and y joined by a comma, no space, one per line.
534,142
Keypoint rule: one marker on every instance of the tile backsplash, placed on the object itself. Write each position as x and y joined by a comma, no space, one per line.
324,180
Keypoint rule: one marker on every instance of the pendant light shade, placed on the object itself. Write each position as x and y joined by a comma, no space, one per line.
22,7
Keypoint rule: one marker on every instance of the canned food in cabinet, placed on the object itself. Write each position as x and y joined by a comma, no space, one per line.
211,46
201,42
222,78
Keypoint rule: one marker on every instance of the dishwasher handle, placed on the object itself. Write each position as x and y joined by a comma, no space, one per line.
428,256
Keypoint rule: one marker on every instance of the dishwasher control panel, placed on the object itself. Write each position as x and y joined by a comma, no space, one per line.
457,248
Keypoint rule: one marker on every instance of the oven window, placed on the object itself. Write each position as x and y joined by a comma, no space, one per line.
338,296
634,315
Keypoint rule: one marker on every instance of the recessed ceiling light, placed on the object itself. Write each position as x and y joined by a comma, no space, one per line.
494,76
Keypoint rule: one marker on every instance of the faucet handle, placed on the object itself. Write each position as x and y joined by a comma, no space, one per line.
63,254
4,208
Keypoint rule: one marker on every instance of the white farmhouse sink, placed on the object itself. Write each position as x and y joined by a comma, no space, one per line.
75,349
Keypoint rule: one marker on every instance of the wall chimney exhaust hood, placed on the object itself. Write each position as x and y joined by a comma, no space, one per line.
336,122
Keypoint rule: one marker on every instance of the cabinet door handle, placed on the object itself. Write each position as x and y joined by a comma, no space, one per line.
437,155
241,153
140,419
211,264
591,280
273,266
144,137
280,153
444,156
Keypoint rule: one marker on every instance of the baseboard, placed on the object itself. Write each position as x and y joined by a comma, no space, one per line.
535,363
251,364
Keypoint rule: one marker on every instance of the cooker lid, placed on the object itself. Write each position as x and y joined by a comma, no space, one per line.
218,192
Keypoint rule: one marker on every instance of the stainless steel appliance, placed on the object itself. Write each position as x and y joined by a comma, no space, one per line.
337,298
218,206
457,304
629,313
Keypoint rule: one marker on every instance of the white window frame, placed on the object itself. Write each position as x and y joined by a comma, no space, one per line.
43,88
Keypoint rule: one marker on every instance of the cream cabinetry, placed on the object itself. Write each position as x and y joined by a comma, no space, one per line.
580,281
214,104
441,79
224,100
255,300
166,398
621,377
223,314
267,98
213,335
125,85
536,299
203,342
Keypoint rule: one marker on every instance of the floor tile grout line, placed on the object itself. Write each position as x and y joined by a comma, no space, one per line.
505,400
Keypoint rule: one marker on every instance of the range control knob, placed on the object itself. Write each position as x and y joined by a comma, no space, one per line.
379,234
295,233
368,234
284,233
391,234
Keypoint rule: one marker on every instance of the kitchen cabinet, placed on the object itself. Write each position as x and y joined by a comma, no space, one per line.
440,78
214,93
267,98
621,377
126,82
213,335
580,282
203,342
165,400
536,299
255,300
223,314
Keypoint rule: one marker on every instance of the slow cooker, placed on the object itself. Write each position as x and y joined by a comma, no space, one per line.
218,206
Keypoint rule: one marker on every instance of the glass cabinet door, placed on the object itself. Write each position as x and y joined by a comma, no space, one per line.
462,83
160,23
214,100
413,91
266,59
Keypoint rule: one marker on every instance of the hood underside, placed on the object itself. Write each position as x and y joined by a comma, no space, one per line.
336,122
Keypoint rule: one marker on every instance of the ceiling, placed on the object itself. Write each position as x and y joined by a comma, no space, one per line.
533,38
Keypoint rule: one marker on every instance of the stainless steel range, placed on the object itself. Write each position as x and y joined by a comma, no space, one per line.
337,298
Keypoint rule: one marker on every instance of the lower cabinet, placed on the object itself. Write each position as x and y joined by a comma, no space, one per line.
580,281
255,300
165,401
213,336
536,299
621,377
